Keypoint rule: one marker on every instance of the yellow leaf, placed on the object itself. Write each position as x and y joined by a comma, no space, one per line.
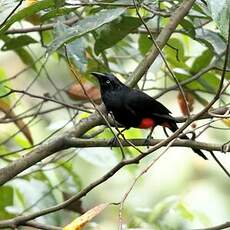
5,107
82,220
31,2
227,121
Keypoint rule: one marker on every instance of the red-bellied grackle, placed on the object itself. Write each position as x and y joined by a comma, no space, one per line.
133,108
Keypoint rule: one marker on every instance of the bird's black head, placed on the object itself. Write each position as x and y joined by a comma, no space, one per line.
108,82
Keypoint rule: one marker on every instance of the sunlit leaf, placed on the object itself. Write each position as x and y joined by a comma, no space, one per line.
227,121
81,221
6,200
184,212
5,107
209,82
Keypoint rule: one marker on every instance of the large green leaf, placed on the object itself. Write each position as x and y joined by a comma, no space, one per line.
111,33
174,53
25,56
3,83
18,42
18,48
56,12
144,44
220,12
76,49
28,11
211,39
184,211
86,25
7,194
209,81
202,61
184,76
188,27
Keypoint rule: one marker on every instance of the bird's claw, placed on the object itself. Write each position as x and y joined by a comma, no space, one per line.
148,140
113,141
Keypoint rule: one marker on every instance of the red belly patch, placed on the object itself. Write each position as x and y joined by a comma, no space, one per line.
147,123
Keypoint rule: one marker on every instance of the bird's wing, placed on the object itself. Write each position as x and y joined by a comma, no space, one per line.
140,102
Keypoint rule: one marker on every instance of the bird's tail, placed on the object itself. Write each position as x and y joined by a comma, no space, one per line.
173,127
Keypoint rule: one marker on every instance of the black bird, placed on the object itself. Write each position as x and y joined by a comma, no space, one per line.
133,108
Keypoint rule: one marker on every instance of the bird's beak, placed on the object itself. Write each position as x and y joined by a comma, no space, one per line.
98,75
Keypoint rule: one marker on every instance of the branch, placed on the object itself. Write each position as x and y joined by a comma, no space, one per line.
60,143
40,28
161,40
37,225
87,143
22,219
218,227
47,149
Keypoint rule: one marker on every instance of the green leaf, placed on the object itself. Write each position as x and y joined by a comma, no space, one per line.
211,39
7,196
18,42
86,25
220,12
184,212
202,61
56,12
76,50
3,82
184,76
108,35
68,166
46,36
4,101
28,11
209,82
162,208
25,57
188,26
174,53
144,44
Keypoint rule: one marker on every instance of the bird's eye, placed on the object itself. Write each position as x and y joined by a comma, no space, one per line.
108,81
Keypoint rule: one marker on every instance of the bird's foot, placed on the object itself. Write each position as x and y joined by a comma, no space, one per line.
148,141
113,141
